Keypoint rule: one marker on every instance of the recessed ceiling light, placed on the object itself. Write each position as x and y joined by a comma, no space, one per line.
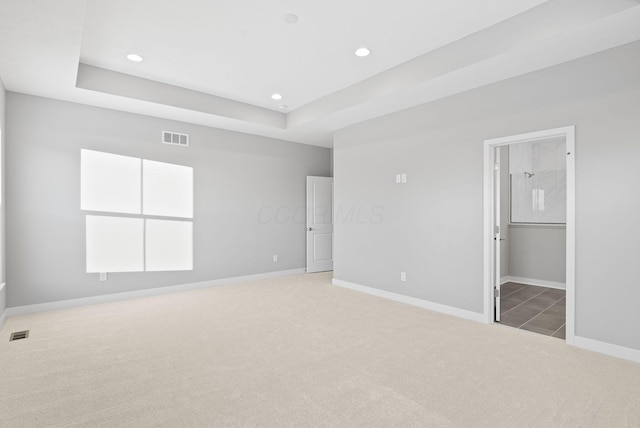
283,106
291,18
276,96
362,51
134,57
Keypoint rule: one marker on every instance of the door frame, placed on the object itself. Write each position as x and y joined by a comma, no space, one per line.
568,132
497,235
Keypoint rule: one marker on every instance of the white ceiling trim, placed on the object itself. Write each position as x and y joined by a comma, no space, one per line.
120,84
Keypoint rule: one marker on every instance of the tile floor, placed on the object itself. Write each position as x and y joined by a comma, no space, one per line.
533,308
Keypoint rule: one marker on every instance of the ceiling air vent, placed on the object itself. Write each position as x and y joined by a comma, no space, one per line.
175,138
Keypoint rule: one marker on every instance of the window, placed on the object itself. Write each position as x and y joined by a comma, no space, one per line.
154,200
114,244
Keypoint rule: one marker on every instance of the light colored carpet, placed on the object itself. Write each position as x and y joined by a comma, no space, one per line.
300,352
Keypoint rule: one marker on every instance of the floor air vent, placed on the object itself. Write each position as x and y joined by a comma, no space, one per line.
175,138
19,335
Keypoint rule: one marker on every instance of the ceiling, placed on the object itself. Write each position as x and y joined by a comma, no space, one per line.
217,63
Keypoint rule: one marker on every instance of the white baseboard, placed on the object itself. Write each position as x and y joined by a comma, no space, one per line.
532,281
108,298
449,310
608,349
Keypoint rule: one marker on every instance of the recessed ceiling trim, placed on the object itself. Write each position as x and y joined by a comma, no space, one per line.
62,35
114,83
509,35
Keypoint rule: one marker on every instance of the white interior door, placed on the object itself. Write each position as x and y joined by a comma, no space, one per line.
319,224
497,232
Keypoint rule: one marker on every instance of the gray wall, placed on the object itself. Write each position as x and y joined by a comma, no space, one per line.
432,226
538,252
3,299
241,182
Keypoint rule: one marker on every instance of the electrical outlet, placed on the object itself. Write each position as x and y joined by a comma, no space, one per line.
398,178
403,178
103,276
275,258
403,276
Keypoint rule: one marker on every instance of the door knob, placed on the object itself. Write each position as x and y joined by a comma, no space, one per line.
309,229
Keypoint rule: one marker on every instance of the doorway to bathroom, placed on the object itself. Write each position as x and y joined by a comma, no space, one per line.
529,220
